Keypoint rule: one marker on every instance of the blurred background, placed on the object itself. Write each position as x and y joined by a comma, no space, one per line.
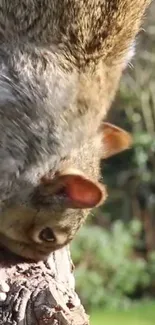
114,253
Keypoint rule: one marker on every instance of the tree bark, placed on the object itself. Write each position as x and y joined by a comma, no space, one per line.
40,293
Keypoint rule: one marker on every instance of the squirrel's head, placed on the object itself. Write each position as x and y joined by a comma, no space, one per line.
58,206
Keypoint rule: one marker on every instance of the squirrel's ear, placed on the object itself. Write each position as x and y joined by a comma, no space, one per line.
80,191
114,140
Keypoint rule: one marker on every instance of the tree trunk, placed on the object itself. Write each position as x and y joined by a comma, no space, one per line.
40,293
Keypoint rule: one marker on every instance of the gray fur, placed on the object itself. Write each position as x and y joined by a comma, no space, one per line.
60,64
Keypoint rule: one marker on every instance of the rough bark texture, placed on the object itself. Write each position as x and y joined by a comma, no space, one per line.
40,293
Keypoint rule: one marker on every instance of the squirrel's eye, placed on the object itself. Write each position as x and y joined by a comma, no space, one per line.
47,235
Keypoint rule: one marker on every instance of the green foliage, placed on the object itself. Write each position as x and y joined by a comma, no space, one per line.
144,150
107,271
151,265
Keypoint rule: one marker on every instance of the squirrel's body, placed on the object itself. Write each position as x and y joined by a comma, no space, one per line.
60,64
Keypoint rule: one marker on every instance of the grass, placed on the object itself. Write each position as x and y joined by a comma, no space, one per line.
142,315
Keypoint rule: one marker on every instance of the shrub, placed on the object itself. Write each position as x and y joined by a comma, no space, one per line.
107,271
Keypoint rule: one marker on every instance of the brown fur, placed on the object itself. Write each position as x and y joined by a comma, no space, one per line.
60,65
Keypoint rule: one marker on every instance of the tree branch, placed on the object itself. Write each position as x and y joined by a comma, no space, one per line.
40,293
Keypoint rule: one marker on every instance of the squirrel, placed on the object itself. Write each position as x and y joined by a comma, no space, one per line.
60,66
